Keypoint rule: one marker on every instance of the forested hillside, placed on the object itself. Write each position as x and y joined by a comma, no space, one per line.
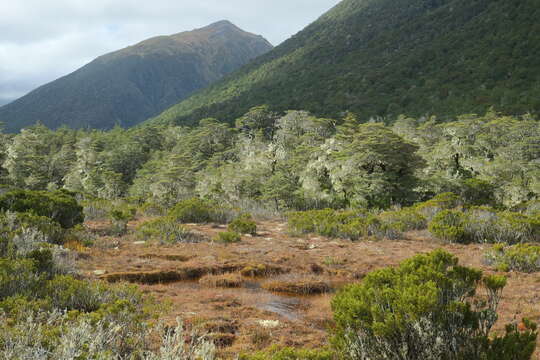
130,85
388,57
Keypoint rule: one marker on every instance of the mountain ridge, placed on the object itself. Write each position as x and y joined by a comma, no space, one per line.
385,58
129,85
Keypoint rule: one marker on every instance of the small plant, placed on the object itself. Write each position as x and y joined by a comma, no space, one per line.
227,237
120,219
243,224
167,231
520,257
222,280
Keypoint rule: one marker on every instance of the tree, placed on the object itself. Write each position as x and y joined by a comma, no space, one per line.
364,165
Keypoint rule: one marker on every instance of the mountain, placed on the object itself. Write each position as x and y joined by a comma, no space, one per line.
128,86
391,57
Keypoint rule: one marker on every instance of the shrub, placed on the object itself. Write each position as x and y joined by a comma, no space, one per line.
167,231
18,277
96,209
60,206
423,309
450,225
243,224
444,201
119,220
287,353
227,237
222,280
521,257
393,223
477,192
351,224
194,211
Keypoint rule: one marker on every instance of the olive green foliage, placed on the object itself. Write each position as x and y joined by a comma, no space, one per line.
60,206
276,162
520,257
277,353
458,59
227,237
425,308
351,224
243,224
450,225
196,210
166,230
485,225
399,221
120,218
440,202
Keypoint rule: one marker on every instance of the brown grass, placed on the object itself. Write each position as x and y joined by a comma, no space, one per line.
299,285
222,280
261,270
168,257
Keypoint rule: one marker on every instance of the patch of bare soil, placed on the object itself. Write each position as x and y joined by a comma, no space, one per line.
273,288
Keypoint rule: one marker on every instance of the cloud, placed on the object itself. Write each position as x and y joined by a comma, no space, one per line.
43,40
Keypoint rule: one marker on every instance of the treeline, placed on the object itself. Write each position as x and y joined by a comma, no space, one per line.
291,161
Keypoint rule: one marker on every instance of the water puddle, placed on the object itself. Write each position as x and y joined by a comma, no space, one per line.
285,306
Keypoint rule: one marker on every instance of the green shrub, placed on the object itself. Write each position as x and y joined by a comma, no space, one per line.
193,211
60,206
423,309
450,225
243,224
393,223
18,277
520,257
167,231
120,218
227,237
96,209
348,224
477,192
444,201
45,225
287,353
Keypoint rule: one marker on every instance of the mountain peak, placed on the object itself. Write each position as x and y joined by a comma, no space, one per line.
139,81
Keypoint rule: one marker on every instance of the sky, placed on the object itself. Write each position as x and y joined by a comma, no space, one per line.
41,41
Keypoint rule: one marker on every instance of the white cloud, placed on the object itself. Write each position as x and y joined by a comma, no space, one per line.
43,40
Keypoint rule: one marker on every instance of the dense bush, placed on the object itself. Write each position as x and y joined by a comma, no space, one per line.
243,224
196,210
60,206
520,257
450,225
398,221
349,224
18,277
227,237
425,309
444,201
277,353
167,231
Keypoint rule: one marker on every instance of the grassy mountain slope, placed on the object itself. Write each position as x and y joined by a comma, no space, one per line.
387,57
133,84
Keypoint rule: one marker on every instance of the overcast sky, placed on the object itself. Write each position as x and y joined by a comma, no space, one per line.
41,40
